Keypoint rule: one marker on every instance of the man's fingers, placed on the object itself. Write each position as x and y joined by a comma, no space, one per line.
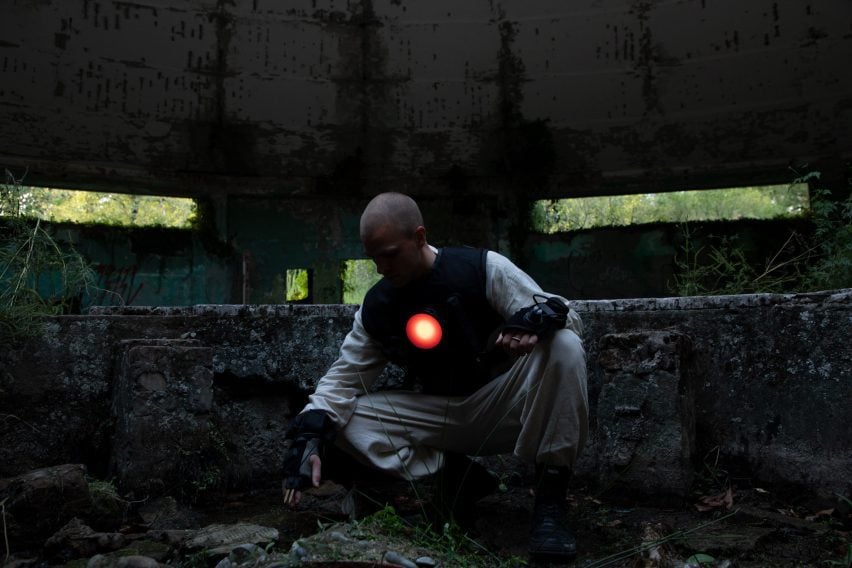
517,343
293,496
528,342
316,469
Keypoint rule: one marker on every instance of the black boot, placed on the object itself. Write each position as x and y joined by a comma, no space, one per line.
550,538
458,486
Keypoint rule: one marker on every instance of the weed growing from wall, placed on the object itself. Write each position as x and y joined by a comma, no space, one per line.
38,275
820,259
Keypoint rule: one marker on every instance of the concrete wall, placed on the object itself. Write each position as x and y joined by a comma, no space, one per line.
476,108
766,380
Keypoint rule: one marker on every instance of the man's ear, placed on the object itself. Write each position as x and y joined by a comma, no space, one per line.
420,236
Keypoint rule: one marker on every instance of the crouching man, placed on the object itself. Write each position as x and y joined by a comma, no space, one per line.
500,366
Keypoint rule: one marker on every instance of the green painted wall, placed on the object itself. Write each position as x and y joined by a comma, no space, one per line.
260,239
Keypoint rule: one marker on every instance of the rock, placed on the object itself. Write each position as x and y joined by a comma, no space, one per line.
78,540
131,561
109,510
244,556
99,561
22,563
167,513
136,562
153,544
40,502
222,539
360,543
392,558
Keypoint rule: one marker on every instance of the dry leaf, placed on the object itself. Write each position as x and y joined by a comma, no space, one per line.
711,502
818,514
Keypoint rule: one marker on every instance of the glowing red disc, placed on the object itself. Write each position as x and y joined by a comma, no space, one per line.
423,331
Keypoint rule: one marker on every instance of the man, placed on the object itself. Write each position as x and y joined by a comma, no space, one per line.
500,365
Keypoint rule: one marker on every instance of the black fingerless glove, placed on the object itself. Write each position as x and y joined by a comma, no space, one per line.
306,434
542,318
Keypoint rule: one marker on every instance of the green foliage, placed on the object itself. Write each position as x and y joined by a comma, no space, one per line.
832,265
818,260
724,267
197,560
291,287
65,205
105,489
297,284
358,276
768,202
701,560
38,276
845,562
388,522
451,544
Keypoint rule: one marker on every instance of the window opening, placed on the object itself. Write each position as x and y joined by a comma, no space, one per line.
298,287
291,286
754,202
358,276
95,207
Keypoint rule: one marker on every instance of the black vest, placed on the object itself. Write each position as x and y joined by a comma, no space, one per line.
453,291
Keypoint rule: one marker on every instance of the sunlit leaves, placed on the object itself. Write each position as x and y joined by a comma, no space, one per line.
766,202
87,207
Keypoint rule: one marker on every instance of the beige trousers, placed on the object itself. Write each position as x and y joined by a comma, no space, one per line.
538,410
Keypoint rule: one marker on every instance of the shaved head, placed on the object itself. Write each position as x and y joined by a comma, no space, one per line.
393,210
394,237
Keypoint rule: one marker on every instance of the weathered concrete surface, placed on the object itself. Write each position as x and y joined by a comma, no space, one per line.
162,402
771,378
198,97
644,436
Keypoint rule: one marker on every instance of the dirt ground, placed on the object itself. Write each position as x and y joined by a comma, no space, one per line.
736,527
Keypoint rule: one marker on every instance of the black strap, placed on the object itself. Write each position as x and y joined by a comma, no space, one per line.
542,318
306,434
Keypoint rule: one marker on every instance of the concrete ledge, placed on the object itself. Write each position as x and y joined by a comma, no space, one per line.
582,306
768,377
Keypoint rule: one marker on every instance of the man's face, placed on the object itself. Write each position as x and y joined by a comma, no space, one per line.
397,254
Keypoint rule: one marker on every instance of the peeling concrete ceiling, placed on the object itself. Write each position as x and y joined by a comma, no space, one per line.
328,97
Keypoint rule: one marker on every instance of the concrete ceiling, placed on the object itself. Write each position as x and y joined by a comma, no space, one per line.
332,97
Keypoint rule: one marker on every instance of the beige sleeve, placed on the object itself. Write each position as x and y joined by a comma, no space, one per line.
359,363
508,289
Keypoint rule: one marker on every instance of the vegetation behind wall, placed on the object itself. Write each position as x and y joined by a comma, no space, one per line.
38,275
814,256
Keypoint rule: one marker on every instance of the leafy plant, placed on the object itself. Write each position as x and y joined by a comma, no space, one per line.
817,260
450,543
832,266
845,562
38,276
701,559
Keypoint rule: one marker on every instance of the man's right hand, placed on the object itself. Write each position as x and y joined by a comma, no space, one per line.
292,497
305,435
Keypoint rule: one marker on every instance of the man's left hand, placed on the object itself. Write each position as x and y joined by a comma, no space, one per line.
517,343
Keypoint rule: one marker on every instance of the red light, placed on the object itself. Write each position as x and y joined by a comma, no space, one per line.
423,331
